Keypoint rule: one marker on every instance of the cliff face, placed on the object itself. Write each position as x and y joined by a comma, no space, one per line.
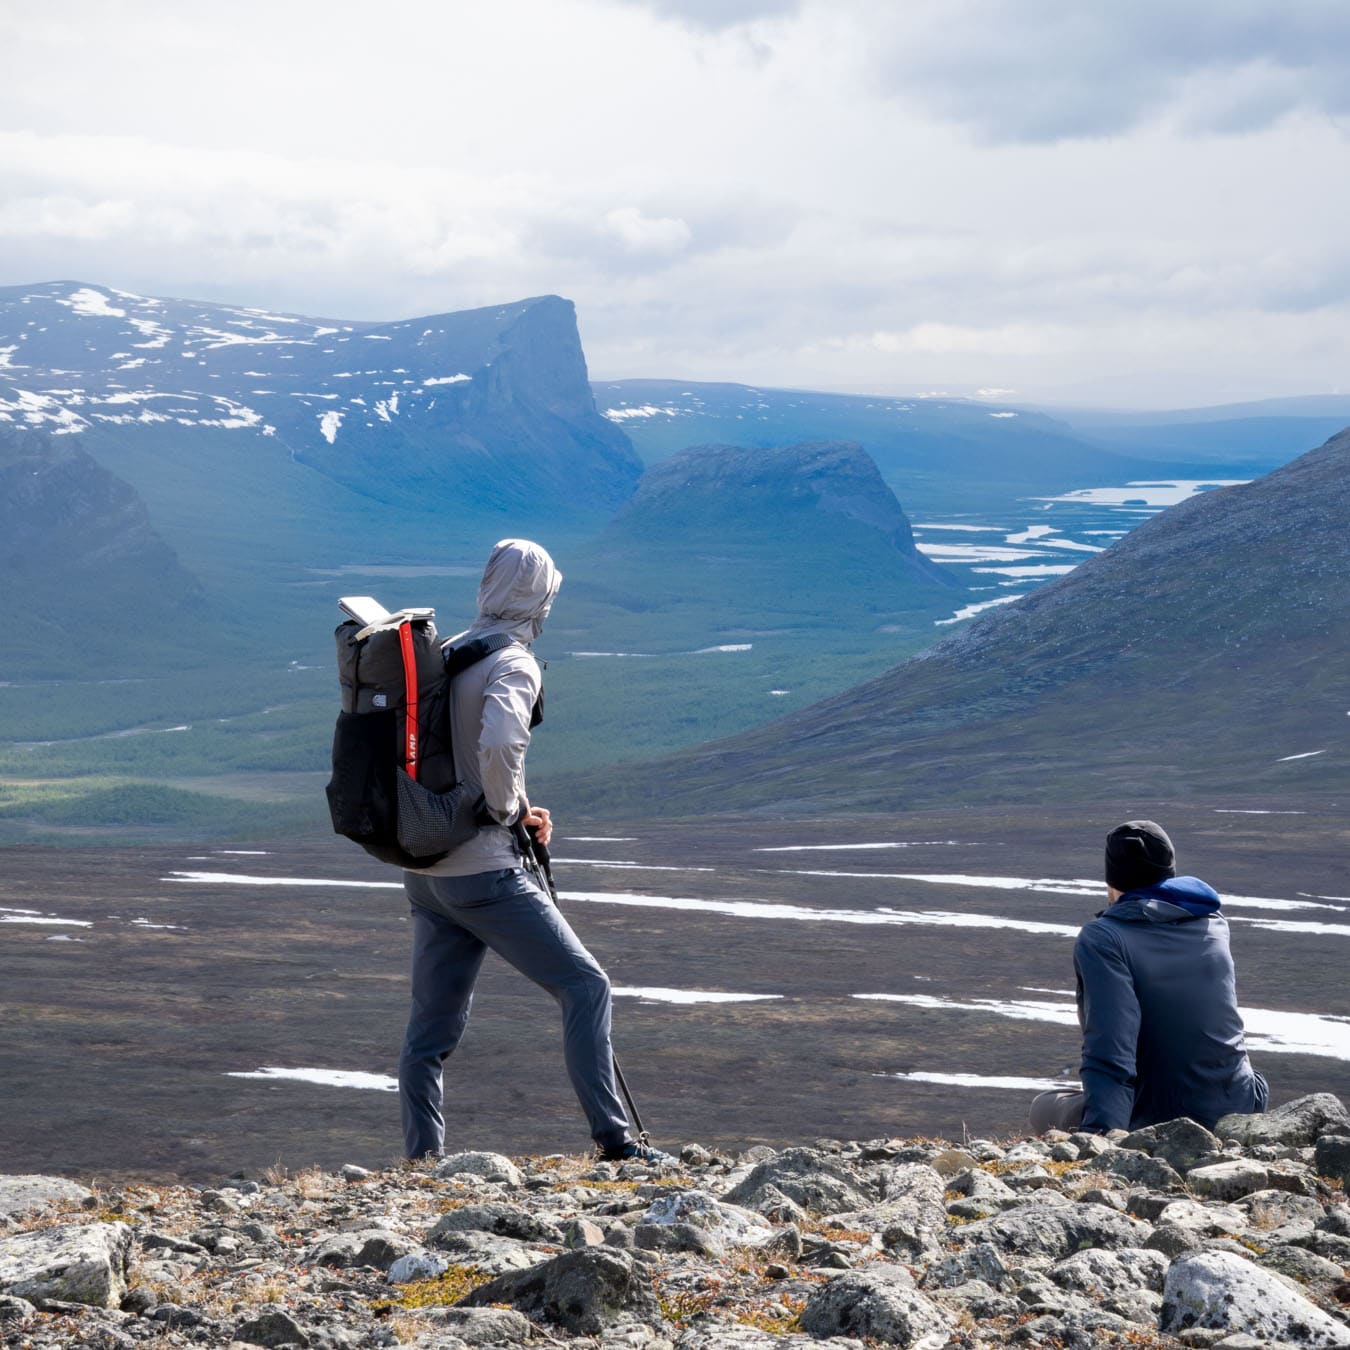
487,410
1204,652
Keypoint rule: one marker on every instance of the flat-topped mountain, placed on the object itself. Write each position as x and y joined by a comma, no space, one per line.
805,535
489,408
1205,650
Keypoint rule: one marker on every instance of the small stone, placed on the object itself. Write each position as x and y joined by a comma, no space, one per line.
352,1173
578,1233
775,1271
1228,1180
695,1155
837,1261
271,1325
1172,1239
489,1166
416,1266
15,1309
950,1161
1098,1196
139,1300
513,1221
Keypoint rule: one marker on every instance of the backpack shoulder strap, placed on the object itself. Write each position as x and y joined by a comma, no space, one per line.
468,654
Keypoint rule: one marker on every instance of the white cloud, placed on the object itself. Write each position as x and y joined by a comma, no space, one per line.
640,233
807,194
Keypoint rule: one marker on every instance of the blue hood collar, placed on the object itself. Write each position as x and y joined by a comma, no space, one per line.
1169,901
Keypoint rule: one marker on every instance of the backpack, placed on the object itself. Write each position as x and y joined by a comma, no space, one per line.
393,789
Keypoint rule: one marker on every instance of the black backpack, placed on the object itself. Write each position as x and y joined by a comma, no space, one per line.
393,789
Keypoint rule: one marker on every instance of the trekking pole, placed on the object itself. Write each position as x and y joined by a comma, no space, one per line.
538,861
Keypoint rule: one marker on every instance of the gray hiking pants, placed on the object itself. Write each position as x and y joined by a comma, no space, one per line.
1058,1109
455,920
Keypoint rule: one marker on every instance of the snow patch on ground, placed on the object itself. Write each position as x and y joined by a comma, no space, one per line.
348,1078
658,995
329,423
975,1080
447,379
969,611
91,304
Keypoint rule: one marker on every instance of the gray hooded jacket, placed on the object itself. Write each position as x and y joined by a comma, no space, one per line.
491,702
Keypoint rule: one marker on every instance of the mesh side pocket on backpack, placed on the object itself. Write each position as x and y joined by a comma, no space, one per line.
433,822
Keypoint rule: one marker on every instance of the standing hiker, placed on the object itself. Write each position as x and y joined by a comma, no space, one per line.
1157,1001
479,895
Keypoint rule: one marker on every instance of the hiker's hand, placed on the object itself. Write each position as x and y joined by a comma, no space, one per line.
538,819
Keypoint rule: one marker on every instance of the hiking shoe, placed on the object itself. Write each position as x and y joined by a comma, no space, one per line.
634,1152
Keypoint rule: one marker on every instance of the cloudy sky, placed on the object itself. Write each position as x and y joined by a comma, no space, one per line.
1127,204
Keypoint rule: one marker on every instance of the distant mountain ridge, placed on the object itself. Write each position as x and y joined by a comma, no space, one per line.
489,407
1204,652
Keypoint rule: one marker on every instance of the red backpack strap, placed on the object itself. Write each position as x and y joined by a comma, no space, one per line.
410,743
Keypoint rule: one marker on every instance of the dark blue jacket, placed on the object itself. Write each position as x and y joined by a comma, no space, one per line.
1157,1001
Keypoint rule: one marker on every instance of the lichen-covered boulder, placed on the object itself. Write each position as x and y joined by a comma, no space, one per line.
1055,1231
504,1220
72,1263
362,1247
1300,1123
28,1194
1222,1291
489,1166
879,1302
812,1179
1180,1143
584,1291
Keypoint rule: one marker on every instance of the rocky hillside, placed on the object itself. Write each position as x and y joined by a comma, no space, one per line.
489,408
78,554
1169,1236
1201,653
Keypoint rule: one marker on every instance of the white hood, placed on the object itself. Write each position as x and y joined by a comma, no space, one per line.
517,591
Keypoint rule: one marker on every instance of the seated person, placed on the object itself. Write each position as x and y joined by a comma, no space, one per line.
1157,1001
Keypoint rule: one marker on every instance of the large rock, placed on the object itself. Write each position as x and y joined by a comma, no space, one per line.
504,1220
1055,1231
1228,1180
73,1263
583,1291
489,1166
911,1217
1299,1123
492,1255
363,1247
1141,1169
879,1302
1102,1273
813,1179
1332,1158
27,1194
1219,1290
1180,1143
724,1224
271,1325
484,1326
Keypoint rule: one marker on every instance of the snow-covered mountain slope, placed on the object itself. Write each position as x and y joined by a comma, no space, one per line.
491,404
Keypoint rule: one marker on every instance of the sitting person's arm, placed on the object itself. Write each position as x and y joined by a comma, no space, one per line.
1108,1009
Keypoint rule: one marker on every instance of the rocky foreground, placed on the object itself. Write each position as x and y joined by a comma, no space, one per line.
1168,1236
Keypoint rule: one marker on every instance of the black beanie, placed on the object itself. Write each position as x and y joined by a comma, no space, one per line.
1138,854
